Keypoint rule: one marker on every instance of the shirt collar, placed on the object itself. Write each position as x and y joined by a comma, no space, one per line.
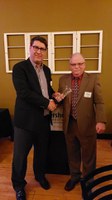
34,65
80,77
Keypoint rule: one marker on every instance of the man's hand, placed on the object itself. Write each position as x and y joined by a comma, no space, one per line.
100,127
52,106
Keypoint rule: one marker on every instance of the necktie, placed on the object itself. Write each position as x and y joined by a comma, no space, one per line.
75,90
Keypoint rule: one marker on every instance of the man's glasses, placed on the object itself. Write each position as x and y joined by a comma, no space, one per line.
36,48
77,64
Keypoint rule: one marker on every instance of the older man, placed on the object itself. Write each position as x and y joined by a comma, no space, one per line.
84,116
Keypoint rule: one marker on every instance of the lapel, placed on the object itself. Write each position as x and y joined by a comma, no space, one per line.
31,69
84,83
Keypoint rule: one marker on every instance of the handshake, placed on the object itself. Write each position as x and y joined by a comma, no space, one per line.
58,97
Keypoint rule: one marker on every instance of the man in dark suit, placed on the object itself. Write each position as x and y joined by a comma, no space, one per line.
32,82
84,116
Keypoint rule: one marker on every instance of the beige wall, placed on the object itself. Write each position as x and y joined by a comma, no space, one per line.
52,16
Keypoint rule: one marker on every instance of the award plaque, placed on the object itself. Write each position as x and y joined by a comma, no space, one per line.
66,91
60,96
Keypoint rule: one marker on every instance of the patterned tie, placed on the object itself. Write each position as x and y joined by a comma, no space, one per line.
75,90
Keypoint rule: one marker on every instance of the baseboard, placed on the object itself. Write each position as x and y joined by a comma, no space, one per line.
59,134
107,136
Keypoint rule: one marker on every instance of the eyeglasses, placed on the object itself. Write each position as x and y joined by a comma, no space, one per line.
36,48
77,64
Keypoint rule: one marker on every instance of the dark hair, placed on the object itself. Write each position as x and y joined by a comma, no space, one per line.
39,38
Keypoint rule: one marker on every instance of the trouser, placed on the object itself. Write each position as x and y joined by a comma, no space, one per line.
81,150
23,141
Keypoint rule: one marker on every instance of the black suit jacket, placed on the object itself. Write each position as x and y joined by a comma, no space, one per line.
30,103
